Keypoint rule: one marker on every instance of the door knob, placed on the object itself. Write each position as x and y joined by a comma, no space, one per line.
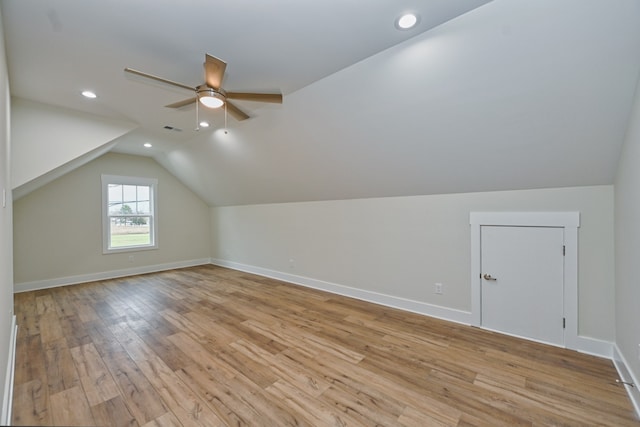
488,277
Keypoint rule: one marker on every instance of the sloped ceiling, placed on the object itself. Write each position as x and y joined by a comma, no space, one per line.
49,141
513,95
58,48
510,95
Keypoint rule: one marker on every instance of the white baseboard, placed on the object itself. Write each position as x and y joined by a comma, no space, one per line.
444,313
584,344
7,401
113,274
626,375
594,347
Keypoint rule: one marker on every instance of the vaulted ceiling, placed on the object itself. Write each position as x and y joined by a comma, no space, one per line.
479,96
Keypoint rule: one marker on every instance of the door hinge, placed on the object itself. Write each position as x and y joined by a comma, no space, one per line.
564,250
564,323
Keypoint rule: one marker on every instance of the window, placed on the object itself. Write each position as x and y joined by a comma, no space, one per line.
128,213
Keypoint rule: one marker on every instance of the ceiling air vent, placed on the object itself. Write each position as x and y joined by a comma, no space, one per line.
167,127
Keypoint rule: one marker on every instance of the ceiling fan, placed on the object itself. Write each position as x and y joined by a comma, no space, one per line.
210,94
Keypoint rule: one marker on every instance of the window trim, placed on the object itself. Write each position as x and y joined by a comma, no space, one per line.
129,180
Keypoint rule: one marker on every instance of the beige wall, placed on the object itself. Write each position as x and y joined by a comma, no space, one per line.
58,228
401,246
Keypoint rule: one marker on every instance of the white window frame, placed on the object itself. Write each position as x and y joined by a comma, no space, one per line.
153,226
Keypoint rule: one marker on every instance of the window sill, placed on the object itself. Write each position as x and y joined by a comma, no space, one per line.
129,249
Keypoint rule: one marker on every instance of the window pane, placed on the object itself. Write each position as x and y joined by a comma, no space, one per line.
143,207
129,193
130,231
143,192
115,198
127,208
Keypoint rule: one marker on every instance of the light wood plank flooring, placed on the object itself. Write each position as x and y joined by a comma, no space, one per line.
211,346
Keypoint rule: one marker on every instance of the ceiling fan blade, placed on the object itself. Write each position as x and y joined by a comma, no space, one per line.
275,98
214,71
182,103
236,112
160,79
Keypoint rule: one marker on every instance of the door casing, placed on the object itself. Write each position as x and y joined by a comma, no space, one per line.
570,221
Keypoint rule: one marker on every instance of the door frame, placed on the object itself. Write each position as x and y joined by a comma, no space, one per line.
569,221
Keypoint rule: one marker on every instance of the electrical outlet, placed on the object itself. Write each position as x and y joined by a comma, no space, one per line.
438,288
292,263
131,258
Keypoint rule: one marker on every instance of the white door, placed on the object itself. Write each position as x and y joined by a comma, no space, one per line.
522,270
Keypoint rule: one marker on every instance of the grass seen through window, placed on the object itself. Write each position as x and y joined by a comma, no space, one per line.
130,233
120,240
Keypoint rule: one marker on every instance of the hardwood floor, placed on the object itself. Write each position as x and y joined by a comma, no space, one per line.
211,346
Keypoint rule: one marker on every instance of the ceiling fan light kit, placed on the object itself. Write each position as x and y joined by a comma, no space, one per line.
210,98
210,94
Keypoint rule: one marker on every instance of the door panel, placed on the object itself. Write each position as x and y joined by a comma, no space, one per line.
522,285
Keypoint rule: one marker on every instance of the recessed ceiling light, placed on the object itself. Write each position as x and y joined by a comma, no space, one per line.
89,94
407,21
148,145
204,124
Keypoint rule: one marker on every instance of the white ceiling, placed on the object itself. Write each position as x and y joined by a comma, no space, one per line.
57,48
481,96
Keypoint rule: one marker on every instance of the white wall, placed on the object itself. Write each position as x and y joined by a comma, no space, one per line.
58,227
6,249
401,246
627,248
60,136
